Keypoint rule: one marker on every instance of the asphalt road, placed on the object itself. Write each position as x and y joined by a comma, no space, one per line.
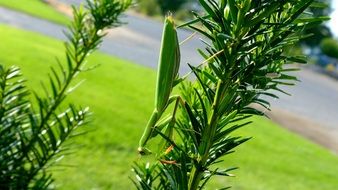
315,98
137,41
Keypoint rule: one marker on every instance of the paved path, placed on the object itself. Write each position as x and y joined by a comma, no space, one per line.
138,41
24,21
315,98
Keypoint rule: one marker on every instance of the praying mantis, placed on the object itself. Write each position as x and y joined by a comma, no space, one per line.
169,63
167,78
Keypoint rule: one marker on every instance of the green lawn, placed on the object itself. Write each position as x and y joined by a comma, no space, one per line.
36,8
120,95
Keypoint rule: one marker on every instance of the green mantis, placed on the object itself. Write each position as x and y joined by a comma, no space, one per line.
168,67
169,62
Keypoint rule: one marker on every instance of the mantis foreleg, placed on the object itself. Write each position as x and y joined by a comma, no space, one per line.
153,125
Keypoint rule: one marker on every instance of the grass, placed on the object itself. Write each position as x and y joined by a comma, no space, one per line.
121,96
36,8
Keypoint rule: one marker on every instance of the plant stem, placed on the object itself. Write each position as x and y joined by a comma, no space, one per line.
206,144
195,178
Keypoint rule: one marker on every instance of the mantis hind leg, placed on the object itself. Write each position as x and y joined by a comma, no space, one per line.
169,132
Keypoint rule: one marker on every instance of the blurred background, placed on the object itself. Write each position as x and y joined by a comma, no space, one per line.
297,147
